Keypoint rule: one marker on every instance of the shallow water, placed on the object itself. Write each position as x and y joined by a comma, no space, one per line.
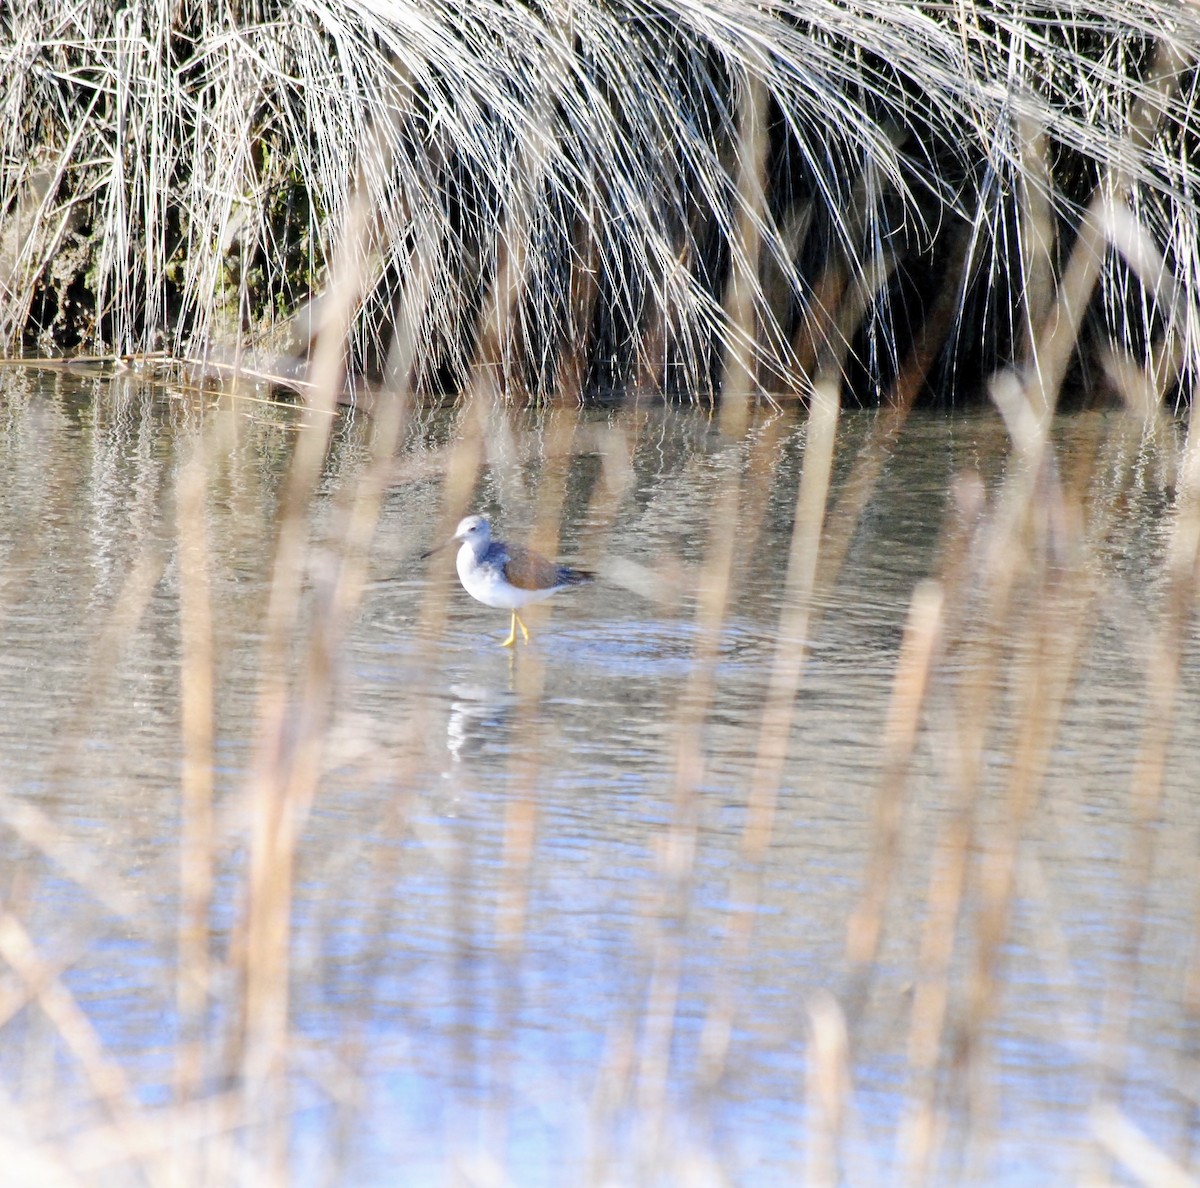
496,949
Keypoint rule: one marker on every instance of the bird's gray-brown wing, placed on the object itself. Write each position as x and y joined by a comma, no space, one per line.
528,570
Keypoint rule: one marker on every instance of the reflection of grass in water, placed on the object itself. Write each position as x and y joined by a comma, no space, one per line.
612,194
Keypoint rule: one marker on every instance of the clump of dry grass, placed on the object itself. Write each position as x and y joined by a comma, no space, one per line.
644,191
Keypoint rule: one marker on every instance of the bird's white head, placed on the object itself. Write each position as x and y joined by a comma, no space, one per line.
475,531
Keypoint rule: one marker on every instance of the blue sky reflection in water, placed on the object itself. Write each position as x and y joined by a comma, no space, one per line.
464,1006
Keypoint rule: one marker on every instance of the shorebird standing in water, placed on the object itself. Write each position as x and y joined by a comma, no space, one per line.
506,576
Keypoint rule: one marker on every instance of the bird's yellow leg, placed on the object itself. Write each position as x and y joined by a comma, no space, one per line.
512,633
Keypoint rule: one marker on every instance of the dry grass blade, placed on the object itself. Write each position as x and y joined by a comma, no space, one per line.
75,1029
907,703
292,731
196,844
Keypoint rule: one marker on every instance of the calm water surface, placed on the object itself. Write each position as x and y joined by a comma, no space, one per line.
483,913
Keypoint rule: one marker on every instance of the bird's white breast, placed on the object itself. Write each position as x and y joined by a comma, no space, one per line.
486,583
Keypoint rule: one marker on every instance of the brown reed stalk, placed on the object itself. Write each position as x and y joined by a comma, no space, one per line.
906,705
1034,487
922,1129
291,735
583,298
678,845
197,839
793,632
71,1023
1162,686
1037,238
1059,335
1127,1143
827,1091
739,371
1053,634
816,328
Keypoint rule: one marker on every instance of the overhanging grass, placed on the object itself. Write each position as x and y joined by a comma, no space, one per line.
634,192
